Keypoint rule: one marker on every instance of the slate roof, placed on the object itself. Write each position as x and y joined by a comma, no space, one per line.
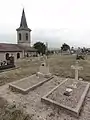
5,47
23,23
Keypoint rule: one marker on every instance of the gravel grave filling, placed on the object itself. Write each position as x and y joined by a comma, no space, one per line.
28,81
72,100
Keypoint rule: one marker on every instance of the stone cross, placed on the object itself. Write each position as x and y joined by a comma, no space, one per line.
77,68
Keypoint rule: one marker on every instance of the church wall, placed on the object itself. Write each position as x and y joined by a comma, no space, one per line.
3,55
30,54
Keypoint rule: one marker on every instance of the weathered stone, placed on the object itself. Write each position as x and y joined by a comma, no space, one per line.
44,71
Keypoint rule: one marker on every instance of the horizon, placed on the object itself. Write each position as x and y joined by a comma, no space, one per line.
53,21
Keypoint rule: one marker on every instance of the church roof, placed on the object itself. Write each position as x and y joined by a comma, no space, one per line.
5,47
23,23
23,20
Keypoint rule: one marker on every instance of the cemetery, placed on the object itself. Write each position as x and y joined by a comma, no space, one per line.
41,78
56,88
66,95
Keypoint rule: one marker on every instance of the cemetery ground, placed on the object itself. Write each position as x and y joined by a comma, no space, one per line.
60,66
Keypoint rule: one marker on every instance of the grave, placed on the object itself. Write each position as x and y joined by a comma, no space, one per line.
44,71
29,83
70,103
68,95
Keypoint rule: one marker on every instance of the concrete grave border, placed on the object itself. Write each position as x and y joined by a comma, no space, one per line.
25,91
73,111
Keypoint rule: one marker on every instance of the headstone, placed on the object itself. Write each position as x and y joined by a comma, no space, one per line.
44,70
38,57
45,57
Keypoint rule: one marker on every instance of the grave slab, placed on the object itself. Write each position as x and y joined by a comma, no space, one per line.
29,83
71,104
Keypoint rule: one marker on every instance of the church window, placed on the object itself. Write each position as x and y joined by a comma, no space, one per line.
7,56
26,36
19,36
18,55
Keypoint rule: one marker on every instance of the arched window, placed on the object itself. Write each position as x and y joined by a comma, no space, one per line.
7,56
18,55
27,55
19,36
26,36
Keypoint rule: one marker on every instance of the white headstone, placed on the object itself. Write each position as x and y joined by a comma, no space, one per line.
44,70
77,68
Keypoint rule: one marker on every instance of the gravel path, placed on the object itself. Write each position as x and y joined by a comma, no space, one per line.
73,99
40,111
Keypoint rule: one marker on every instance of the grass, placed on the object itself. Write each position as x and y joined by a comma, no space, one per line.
59,65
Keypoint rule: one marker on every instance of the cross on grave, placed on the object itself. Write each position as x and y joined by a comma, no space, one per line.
76,68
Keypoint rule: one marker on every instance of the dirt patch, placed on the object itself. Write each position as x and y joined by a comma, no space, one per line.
3,102
12,112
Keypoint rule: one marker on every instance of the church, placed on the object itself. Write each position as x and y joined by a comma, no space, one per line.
23,47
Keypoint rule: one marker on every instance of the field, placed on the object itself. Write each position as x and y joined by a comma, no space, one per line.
59,65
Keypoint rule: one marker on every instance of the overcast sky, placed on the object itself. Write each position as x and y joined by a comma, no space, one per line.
54,21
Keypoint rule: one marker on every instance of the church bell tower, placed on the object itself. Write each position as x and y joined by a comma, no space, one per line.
23,32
